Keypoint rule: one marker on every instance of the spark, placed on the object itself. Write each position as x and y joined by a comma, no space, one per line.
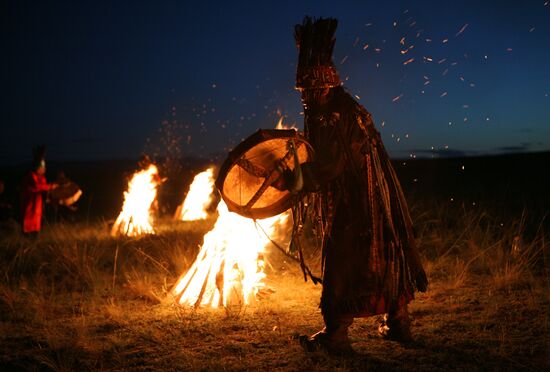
441,60
462,30
408,61
366,47
443,94
395,99
429,59
508,49
377,50
344,60
531,29
402,41
404,51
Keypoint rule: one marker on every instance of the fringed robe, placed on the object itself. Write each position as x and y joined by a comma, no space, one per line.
370,262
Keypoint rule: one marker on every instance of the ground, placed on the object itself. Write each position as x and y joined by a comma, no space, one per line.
78,299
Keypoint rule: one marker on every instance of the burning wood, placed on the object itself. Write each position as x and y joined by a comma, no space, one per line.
198,199
135,218
229,268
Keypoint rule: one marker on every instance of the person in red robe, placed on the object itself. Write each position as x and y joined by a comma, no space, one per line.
33,187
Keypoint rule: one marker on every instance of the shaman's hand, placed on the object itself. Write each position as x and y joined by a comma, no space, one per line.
283,179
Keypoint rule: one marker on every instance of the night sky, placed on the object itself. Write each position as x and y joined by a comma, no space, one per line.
97,79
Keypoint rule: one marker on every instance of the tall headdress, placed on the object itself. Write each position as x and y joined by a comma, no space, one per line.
315,42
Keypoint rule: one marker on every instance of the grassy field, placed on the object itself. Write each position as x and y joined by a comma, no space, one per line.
78,299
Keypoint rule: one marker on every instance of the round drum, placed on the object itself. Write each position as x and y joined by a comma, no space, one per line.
246,177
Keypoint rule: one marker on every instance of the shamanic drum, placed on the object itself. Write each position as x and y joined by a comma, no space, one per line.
246,177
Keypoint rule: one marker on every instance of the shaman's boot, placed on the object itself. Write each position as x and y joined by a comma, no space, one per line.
396,326
333,339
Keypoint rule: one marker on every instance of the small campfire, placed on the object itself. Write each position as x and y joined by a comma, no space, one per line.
198,198
136,218
229,269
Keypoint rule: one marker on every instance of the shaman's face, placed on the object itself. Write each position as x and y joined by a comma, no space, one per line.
315,98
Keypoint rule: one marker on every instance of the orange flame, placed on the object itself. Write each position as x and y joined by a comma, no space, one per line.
135,218
229,268
198,198
281,125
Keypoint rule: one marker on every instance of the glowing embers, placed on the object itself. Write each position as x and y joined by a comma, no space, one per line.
136,218
198,198
229,268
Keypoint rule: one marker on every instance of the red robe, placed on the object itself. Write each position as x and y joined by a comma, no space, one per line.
33,186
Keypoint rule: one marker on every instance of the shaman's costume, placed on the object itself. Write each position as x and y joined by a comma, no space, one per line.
370,262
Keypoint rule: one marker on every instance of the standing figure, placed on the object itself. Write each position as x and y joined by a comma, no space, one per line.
34,185
369,258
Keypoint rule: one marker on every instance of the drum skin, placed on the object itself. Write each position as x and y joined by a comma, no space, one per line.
246,176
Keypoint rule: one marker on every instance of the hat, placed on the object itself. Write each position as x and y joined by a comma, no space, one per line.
38,160
315,42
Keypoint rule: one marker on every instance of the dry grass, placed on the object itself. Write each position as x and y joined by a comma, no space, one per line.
78,299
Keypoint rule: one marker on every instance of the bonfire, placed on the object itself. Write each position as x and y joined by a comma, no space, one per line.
136,217
229,268
199,198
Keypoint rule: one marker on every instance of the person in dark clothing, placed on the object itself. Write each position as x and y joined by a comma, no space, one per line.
369,257
6,209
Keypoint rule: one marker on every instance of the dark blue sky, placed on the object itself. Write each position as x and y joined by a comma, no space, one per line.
95,79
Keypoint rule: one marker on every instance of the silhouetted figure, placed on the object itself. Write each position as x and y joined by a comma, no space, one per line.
33,187
370,262
6,209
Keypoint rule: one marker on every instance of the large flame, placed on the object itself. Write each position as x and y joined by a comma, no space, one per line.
135,218
198,198
229,268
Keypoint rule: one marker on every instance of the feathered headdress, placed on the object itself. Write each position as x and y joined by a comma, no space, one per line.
315,42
